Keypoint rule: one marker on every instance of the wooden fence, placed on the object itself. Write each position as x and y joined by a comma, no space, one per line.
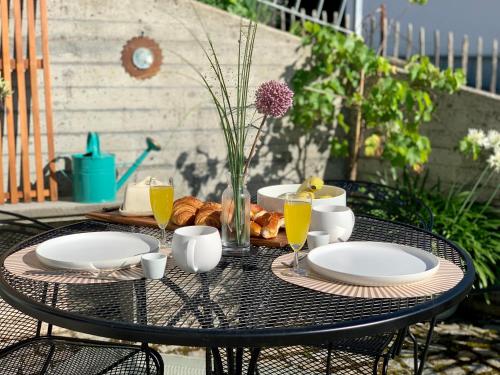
393,40
480,70
20,120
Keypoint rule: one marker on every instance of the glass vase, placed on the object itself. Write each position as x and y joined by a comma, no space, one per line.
235,218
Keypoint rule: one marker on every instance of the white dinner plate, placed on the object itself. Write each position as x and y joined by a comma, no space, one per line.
96,250
373,263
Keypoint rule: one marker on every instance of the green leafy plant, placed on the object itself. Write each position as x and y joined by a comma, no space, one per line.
387,105
471,225
459,214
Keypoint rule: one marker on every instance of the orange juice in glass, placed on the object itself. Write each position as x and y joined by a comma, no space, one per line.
297,211
161,197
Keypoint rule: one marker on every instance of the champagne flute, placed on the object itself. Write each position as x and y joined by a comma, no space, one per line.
161,197
297,210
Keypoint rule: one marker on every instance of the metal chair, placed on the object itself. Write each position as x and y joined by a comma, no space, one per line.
25,349
385,202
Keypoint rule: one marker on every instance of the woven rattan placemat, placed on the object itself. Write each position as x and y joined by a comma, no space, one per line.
447,276
26,264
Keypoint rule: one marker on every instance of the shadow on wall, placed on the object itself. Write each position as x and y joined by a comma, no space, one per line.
283,155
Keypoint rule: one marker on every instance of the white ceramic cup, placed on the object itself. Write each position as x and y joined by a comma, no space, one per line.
197,248
317,238
153,265
338,221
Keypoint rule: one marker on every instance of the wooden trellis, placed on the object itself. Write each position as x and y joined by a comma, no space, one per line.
20,117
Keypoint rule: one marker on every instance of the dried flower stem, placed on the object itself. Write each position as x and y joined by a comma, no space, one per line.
252,150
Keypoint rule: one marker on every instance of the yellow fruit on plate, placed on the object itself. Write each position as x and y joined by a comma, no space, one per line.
311,184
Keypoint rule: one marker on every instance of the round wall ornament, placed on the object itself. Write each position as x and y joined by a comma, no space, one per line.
141,57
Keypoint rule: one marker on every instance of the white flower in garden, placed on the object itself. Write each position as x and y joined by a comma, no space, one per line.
494,160
477,136
493,139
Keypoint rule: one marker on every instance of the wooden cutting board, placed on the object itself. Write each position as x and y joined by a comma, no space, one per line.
116,217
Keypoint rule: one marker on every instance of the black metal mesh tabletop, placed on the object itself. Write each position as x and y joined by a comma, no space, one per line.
240,303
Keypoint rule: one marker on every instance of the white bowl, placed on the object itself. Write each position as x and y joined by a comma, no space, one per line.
267,197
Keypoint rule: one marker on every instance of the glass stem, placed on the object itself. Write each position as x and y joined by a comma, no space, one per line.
163,242
295,260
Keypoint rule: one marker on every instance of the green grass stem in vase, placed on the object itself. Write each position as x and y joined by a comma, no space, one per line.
273,99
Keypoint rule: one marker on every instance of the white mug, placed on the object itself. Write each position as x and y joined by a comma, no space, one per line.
197,248
336,220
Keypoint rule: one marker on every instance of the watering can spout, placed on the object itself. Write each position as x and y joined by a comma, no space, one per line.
151,145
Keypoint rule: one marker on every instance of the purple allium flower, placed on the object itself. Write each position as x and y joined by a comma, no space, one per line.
273,98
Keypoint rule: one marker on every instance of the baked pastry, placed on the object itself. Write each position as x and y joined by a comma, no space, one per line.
256,210
255,229
209,214
184,210
271,222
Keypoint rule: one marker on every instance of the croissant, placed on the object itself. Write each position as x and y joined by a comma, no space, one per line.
209,214
271,222
184,210
190,200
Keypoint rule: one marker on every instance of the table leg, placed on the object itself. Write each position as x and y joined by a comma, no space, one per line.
254,357
418,368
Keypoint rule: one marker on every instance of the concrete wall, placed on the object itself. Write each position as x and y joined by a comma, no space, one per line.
454,115
91,90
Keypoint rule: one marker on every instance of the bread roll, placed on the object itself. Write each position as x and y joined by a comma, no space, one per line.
271,223
255,229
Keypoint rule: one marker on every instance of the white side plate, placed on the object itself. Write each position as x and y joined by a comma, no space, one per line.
373,263
96,250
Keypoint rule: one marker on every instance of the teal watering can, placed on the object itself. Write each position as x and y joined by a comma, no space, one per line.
94,172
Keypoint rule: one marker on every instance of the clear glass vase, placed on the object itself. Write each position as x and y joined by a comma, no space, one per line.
235,218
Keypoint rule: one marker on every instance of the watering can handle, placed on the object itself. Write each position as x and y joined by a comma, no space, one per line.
93,147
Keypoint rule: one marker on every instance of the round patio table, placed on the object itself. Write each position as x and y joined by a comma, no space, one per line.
240,304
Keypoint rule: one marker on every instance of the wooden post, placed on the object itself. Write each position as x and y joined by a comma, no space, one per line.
283,20
395,52
450,50
9,106
494,66
44,26
437,47
357,141
373,26
315,14
479,64
422,41
21,95
465,56
302,15
35,101
347,19
335,17
383,30
409,42
324,16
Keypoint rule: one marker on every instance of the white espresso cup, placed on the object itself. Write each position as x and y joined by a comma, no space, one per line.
197,248
317,238
338,221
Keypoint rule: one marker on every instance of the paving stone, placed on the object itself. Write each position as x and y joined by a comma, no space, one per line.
465,356
480,368
454,371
